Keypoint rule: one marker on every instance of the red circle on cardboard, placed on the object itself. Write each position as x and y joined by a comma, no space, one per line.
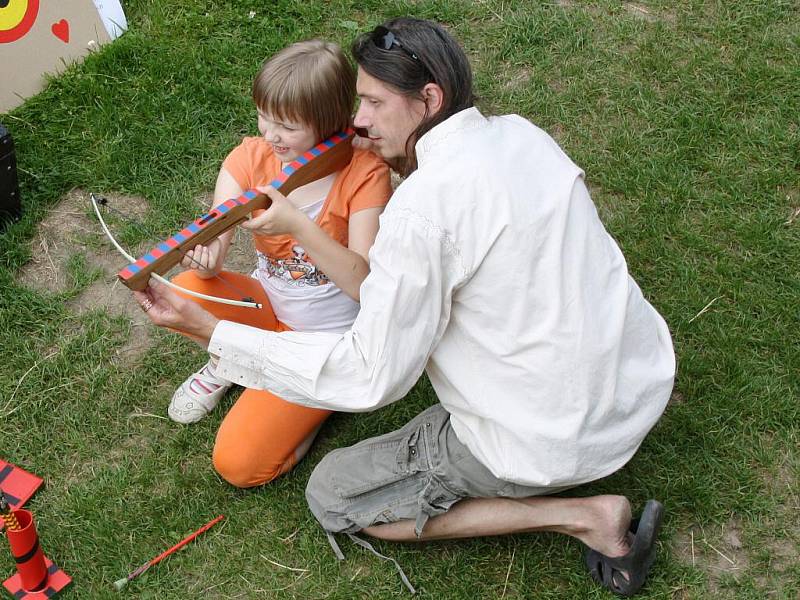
24,26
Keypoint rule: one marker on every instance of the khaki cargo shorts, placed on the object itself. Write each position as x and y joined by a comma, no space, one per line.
414,473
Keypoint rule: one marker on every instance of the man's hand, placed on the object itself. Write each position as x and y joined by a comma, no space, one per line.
165,308
282,217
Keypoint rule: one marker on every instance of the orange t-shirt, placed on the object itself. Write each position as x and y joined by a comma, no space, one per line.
364,183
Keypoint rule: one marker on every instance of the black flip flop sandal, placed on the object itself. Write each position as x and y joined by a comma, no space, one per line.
636,563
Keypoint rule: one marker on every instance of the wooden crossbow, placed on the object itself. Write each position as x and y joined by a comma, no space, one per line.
323,159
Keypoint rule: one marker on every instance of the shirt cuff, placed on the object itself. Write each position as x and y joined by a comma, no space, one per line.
239,349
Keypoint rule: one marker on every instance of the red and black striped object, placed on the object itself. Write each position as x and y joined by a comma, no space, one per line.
17,485
36,577
57,580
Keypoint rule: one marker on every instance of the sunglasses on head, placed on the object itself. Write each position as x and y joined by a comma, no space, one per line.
385,39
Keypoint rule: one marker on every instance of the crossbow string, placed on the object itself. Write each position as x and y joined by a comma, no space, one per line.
248,303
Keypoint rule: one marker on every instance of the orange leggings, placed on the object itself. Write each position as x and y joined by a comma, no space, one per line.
262,436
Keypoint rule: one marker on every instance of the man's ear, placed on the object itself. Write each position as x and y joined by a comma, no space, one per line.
433,95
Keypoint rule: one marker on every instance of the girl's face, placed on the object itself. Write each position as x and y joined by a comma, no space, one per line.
288,139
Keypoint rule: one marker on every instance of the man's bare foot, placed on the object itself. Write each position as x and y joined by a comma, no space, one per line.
626,573
605,525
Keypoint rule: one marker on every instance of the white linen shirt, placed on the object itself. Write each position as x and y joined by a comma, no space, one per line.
492,272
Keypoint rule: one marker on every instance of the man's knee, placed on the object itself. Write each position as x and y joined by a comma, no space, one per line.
319,490
325,501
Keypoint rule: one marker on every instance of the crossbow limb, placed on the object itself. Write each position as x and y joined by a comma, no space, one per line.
157,277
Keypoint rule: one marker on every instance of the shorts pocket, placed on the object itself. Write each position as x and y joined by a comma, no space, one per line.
412,452
437,498
366,468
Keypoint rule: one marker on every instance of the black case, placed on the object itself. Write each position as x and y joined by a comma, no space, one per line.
10,207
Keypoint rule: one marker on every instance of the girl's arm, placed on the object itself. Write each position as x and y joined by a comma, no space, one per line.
346,267
208,260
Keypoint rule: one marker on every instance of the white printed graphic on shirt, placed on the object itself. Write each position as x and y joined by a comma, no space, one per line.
297,271
301,295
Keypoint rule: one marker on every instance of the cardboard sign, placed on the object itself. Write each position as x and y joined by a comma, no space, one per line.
42,36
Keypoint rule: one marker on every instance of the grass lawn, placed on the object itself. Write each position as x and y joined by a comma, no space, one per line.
684,116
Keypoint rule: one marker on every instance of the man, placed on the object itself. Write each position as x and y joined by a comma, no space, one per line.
493,273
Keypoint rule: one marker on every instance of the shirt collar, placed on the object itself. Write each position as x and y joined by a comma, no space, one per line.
468,118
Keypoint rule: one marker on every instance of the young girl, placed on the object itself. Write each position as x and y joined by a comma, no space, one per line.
312,253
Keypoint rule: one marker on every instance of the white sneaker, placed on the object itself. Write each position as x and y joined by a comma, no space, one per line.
197,396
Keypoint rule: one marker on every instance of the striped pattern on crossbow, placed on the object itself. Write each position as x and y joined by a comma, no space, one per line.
304,169
186,234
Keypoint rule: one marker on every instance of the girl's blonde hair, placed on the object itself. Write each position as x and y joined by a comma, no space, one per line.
309,82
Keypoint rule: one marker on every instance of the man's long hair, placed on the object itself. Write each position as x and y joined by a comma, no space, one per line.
437,58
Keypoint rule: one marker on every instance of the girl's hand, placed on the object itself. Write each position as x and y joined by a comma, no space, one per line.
282,217
362,141
204,259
